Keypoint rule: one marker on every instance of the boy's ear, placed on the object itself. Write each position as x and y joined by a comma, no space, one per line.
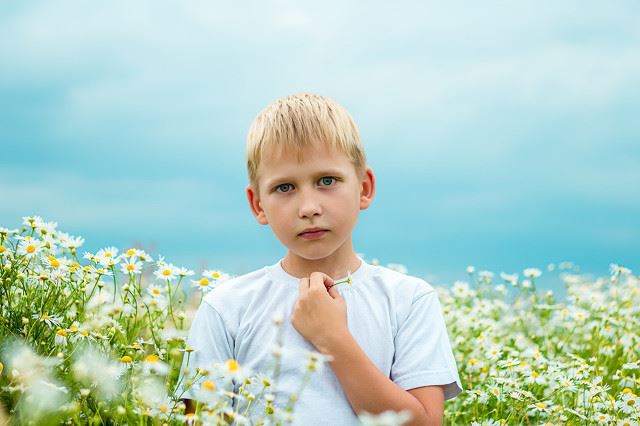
367,188
256,208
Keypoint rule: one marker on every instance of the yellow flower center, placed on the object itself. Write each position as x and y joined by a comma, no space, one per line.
232,365
631,402
534,375
55,263
166,272
31,248
2,249
216,275
626,390
107,254
495,391
46,317
208,385
84,332
541,405
131,252
126,359
73,328
152,359
204,282
473,361
62,333
130,267
156,291
135,346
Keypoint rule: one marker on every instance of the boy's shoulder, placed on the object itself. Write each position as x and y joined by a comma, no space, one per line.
238,287
397,278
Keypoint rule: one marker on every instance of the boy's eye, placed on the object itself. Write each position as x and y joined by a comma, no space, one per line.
287,187
327,180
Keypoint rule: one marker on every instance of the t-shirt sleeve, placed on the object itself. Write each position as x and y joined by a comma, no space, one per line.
212,342
423,354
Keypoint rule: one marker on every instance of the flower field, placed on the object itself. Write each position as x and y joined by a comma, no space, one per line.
100,338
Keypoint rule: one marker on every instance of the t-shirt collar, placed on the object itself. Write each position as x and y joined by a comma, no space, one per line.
278,273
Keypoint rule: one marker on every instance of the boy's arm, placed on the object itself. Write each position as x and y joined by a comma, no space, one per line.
321,319
369,390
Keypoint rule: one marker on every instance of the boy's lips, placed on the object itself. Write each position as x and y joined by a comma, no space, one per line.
312,230
313,233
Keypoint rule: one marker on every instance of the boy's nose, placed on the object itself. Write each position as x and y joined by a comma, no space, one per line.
309,206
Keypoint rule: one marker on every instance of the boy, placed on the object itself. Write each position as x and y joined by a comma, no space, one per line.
308,180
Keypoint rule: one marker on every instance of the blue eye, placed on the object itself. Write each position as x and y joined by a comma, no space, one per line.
327,180
286,185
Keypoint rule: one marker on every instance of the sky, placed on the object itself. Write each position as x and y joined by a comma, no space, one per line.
503,135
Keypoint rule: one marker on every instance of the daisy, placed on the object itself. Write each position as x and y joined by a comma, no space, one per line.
59,264
153,365
131,266
510,278
126,360
183,272
532,272
233,371
144,257
567,384
28,247
61,337
107,256
494,353
50,320
202,284
386,418
533,377
5,232
629,403
70,242
485,276
132,252
155,291
542,406
32,221
215,275
165,272
107,252
4,251
47,228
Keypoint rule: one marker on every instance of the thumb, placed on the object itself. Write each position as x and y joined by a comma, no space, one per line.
333,292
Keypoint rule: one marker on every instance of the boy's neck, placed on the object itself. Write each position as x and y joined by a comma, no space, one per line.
334,266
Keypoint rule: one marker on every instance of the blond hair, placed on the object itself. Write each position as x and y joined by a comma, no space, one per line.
298,121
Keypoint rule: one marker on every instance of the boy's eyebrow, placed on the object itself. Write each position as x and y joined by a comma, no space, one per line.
325,172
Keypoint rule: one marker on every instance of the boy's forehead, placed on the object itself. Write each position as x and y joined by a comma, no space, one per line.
291,155
280,161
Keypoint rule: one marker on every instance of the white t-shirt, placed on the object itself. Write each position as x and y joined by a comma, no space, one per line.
395,318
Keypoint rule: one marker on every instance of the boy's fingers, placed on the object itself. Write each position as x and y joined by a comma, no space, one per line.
303,287
320,279
333,292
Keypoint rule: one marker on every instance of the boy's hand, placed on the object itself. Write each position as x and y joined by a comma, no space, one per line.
320,314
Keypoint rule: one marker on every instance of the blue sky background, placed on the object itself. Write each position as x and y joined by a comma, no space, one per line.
503,134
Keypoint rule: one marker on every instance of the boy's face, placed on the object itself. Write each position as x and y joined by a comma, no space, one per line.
320,191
